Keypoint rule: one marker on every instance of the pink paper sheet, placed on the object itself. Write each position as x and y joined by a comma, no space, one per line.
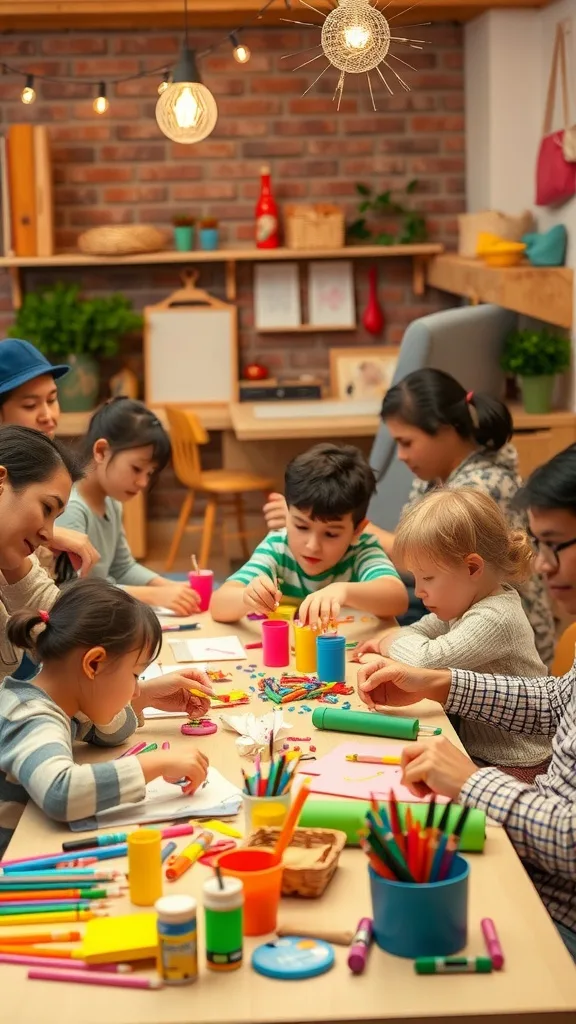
333,775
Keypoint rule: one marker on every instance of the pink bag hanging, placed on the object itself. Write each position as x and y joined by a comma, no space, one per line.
555,177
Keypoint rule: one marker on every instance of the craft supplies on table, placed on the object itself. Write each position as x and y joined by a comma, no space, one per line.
265,810
293,958
177,866
492,943
360,946
336,938
310,861
260,872
202,581
335,775
305,648
145,866
118,939
367,723
223,899
177,939
95,978
122,837
221,648
453,965
275,643
331,657
294,687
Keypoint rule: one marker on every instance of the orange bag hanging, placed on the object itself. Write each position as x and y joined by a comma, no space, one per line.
555,176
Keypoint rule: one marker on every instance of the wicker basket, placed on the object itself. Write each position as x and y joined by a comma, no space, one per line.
122,240
318,226
470,225
306,882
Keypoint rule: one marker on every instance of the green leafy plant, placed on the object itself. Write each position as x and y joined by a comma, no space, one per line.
413,225
61,323
182,220
535,353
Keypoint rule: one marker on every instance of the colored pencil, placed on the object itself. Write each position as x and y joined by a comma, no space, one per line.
44,906
43,952
57,895
54,917
51,860
30,938
136,749
63,962
168,849
396,827
95,978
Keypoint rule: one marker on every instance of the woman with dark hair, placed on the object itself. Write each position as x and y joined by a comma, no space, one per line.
453,438
36,475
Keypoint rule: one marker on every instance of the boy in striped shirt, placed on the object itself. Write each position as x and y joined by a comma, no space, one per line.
322,560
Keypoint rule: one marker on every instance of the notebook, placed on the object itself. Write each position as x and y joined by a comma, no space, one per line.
166,802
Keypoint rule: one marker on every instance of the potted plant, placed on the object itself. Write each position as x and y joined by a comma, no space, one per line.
183,232
392,223
77,331
209,233
535,357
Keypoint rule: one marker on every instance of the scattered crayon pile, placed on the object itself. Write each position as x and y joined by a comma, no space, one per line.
296,687
413,853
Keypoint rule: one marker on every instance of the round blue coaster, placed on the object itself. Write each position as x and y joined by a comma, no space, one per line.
292,958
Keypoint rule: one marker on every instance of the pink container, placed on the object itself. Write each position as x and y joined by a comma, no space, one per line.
275,643
202,582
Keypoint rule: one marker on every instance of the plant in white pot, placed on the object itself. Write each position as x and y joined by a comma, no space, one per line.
77,331
536,357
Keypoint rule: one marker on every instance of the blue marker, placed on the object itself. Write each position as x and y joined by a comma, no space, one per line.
168,850
99,853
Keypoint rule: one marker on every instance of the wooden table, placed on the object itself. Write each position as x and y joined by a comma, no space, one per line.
539,977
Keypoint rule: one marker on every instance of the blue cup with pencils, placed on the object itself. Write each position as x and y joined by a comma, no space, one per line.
418,881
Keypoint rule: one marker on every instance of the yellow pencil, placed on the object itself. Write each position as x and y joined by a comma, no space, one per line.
366,759
57,917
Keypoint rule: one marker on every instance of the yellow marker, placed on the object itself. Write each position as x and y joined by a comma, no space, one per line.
224,830
366,759
200,693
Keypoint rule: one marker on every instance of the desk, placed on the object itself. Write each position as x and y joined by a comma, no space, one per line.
539,979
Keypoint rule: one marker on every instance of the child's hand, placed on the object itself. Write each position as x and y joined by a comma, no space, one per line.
275,511
261,595
368,647
77,546
178,597
390,683
435,766
324,606
192,765
172,693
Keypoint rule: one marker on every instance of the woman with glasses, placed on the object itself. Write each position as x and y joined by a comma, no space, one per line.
540,818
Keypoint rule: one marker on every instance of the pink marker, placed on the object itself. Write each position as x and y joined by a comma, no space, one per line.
133,750
360,946
492,943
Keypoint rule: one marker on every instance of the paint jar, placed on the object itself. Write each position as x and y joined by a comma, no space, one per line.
265,811
305,648
223,913
177,939
275,643
427,919
260,871
331,658
145,866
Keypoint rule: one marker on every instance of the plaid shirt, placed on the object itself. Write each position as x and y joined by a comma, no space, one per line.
539,819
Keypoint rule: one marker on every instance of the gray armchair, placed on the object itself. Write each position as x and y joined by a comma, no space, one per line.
465,342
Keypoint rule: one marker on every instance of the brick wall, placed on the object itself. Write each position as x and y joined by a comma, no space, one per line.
118,168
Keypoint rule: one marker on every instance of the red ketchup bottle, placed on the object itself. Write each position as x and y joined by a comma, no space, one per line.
266,215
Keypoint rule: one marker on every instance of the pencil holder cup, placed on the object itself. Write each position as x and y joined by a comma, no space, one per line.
202,582
305,648
331,655
275,643
264,811
260,872
426,919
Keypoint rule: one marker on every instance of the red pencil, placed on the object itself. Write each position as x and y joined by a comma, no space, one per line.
395,822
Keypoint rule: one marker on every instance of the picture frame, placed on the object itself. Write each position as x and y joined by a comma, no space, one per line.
331,298
360,374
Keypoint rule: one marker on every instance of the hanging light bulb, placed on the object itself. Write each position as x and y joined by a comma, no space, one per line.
186,110
28,94
355,36
164,83
101,103
241,53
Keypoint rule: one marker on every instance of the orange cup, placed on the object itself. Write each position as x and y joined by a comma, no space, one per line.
261,875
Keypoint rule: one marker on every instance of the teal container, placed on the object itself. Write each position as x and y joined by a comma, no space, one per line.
183,237
421,919
331,658
364,722
223,919
209,239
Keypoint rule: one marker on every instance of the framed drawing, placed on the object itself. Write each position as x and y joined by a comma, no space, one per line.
277,296
190,349
362,373
331,301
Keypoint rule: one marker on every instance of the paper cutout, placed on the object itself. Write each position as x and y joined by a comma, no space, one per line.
333,775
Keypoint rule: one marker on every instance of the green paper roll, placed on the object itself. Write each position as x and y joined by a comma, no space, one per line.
366,723
350,817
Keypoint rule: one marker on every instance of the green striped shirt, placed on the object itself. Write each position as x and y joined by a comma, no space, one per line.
364,560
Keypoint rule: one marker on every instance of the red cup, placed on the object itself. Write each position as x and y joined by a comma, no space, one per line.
275,643
260,872
202,582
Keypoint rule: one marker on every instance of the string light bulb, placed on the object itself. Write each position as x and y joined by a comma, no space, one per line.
164,83
355,36
241,53
186,110
28,94
101,102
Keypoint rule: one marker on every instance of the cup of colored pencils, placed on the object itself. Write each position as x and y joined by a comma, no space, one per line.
267,793
418,880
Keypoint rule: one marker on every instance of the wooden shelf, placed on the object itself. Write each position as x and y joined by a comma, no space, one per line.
306,329
544,293
419,254
213,417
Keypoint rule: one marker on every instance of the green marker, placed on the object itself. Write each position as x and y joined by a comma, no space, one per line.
453,965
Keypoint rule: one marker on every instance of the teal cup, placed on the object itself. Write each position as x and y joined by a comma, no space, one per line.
421,919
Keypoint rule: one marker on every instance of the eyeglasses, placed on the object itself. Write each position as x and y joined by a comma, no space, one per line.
550,552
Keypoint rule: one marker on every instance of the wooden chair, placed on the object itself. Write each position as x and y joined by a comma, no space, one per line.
564,653
219,485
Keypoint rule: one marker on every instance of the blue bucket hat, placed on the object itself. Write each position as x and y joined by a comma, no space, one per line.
21,362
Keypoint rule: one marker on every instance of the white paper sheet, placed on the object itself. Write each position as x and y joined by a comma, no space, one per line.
219,648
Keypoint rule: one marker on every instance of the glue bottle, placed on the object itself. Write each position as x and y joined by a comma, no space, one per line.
223,902
177,939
